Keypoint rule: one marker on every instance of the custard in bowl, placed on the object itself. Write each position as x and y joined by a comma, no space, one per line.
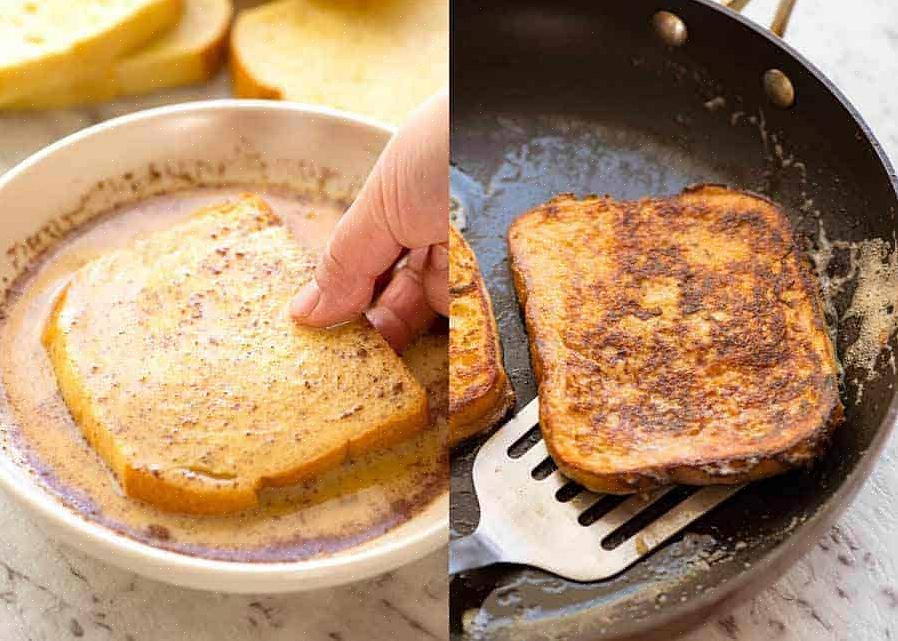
160,410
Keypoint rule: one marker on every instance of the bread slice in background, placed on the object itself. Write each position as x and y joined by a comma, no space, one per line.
180,364
189,52
43,42
674,340
479,391
376,58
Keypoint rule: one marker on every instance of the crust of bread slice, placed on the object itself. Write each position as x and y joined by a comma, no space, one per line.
190,52
378,59
180,364
674,340
42,42
480,393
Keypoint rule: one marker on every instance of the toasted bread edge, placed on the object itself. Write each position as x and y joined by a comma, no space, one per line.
482,415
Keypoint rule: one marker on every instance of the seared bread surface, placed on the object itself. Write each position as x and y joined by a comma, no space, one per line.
479,391
674,340
178,360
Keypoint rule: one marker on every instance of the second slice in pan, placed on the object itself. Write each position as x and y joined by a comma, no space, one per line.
674,340
479,391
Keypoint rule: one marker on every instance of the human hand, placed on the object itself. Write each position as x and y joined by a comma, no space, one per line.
403,207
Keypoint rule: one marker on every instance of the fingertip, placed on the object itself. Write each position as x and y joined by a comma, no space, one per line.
316,305
305,302
436,279
390,326
439,258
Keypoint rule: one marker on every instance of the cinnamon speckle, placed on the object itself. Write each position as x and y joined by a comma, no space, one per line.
159,532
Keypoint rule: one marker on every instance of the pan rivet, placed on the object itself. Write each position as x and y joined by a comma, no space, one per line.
779,88
670,28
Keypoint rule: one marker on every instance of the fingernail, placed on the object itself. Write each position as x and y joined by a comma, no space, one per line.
439,258
390,327
306,300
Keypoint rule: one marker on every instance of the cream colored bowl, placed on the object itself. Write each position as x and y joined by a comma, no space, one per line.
159,150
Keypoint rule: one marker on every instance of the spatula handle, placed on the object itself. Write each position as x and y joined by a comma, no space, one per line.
472,552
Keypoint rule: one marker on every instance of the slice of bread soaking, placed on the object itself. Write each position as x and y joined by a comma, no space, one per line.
178,360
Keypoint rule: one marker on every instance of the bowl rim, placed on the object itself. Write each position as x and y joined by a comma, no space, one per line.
366,559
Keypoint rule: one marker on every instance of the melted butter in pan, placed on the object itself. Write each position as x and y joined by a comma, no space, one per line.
343,508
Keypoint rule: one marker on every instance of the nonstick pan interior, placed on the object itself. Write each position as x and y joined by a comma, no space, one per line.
582,97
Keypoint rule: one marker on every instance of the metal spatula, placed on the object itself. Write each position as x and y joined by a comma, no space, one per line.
531,514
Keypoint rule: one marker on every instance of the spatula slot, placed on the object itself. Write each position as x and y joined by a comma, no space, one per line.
653,512
568,491
599,509
519,487
520,447
544,469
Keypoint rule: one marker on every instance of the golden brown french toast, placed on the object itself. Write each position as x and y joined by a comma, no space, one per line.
178,360
479,391
674,340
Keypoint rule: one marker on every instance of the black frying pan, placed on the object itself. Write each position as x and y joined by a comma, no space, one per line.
583,96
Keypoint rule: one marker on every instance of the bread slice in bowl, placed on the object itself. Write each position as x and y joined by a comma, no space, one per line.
180,364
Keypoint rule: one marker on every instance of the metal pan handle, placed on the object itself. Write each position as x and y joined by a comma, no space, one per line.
780,18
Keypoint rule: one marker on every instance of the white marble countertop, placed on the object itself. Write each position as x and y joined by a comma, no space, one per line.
845,589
